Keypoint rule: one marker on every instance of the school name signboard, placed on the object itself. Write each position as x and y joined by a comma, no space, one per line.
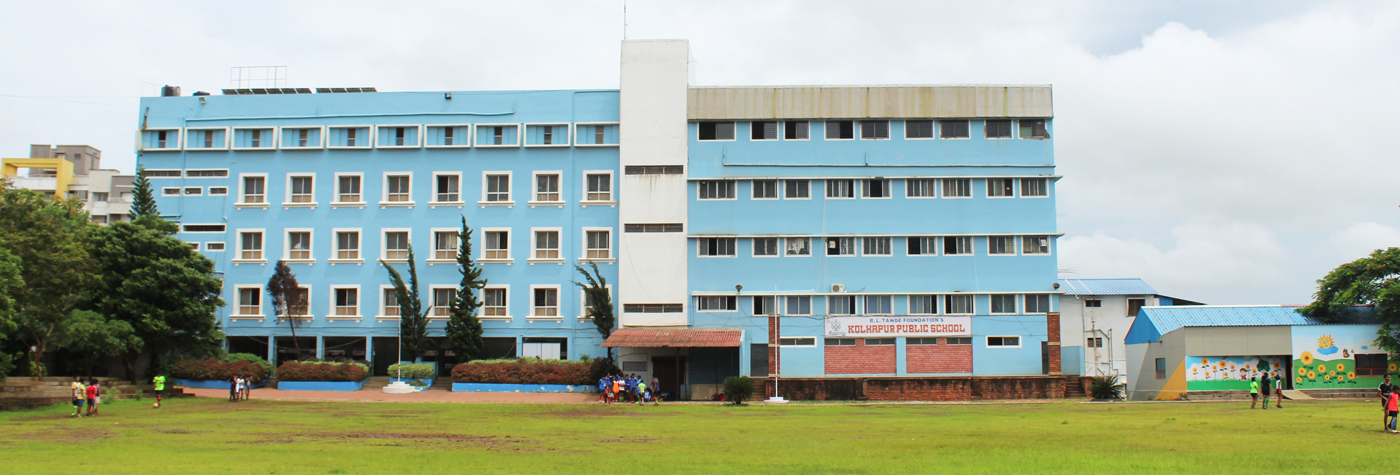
898,326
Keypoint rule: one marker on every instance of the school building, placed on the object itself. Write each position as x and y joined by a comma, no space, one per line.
883,242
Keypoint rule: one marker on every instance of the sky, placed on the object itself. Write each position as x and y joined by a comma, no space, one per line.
1225,152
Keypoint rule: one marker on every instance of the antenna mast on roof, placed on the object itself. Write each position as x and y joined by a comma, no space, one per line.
624,20
244,77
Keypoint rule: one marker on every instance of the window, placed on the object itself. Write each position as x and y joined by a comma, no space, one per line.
957,246
653,308
444,245
922,246
716,131
253,189
206,173
879,341
498,135
1161,364
449,188
957,188
1000,188
796,189
161,173
840,188
546,244
348,189
1037,303
599,187
252,246
390,303
599,134
839,342
840,246
498,244
1034,129
717,303
654,170
302,189
654,228
218,190
716,247
1004,303
495,303
918,129
952,129
922,305
347,301
763,130
302,136
98,196
547,188
808,341
958,304
1096,342
874,130
765,189
1094,303
840,130
99,219
998,129
920,341
1366,365
795,130
765,247
876,246
208,139
161,138
447,133
498,188
716,190
598,244
347,245
875,188
302,303
1034,187
298,245
1004,341
766,305
799,305
250,301
256,138
1001,245
546,302
920,187
399,188
396,245
841,305
214,246
799,246
879,305
442,301
1134,305
350,137
203,228
1035,244
194,190
170,191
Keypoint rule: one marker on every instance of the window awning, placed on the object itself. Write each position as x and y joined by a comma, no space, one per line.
673,338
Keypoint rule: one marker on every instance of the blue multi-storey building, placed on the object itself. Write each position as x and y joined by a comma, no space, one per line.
824,234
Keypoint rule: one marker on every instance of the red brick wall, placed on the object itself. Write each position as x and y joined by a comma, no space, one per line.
940,358
1052,327
861,359
936,388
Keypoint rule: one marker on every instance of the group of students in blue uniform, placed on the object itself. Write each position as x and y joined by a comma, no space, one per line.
616,388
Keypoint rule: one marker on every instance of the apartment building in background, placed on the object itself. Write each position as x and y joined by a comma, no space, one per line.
1096,315
73,171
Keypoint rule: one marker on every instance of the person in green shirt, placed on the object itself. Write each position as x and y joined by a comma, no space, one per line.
1253,391
159,382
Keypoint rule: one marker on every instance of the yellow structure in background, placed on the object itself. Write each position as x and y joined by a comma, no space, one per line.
55,182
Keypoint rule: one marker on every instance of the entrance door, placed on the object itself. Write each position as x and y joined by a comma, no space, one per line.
1044,357
670,372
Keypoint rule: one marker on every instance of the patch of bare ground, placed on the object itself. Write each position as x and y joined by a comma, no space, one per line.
629,440
180,431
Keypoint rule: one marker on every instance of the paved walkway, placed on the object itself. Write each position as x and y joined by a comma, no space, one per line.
376,395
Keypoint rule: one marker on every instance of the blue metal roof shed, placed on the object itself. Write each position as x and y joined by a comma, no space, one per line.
1153,322
1106,287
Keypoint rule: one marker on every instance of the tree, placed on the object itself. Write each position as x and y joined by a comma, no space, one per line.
48,237
463,327
144,202
92,335
1373,280
600,306
152,281
413,318
288,299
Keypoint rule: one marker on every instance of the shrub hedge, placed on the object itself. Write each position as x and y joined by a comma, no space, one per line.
312,371
212,370
251,358
413,370
528,371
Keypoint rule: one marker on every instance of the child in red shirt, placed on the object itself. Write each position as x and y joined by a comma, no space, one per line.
1392,410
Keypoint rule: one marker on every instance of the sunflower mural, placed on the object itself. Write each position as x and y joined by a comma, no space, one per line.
1325,356
1217,373
1307,358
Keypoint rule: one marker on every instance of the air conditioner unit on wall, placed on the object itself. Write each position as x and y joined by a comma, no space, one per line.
838,287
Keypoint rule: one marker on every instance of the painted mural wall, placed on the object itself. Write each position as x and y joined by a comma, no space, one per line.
1324,356
1225,373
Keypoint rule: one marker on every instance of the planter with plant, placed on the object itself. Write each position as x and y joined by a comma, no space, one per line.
215,374
529,375
321,376
418,375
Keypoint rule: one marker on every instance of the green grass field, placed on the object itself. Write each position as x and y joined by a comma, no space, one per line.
214,436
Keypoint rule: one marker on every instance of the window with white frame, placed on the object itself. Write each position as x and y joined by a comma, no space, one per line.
1003,303
796,130
494,302
797,189
347,245
547,187
765,189
599,186
716,189
1000,188
303,189
299,245
998,129
300,305
389,303
797,341
765,247
876,246
598,244
1001,245
348,188
1035,244
1037,303
957,188
347,301
250,245
918,129
922,246
958,305
497,187
396,245
840,130
799,305
799,246
249,301
920,187
765,305
1033,129
716,130
1094,303
444,245
879,305
214,246
763,130
923,305
875,188
442,301
449,188
1003,341
546,244
957,246
953,129
840,188
1034,187
546,302
840,246
1096,342
398,188
874,129
722,303
841,305
497,245
254,189
716,247
194,190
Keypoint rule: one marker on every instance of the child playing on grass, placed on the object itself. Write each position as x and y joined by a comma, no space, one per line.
79,393
1264,386
1278,390
1253,392
159,383
1392,410
93,391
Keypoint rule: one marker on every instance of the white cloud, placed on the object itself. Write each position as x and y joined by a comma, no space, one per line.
1360,239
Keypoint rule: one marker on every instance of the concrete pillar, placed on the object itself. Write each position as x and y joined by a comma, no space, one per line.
1052,328
745,359
320,347
773,353
519,346
272,349
369,351
900,357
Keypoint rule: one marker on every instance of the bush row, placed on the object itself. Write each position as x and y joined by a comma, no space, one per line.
531,371
310,371
413,370
218,371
